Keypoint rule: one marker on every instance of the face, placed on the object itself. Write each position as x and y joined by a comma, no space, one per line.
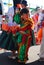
23,6
25,16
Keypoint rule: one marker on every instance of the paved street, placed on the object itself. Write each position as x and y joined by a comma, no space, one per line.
33,56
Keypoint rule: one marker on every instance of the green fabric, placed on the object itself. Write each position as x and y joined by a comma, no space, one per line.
4,34
3,37
6,41
21,25
22,52
33,42
14,38
9,46
17,18
13,43
9,42
19,38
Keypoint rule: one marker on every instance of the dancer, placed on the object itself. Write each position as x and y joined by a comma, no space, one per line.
24,37
42,38
42,44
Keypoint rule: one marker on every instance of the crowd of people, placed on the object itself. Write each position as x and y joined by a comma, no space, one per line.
18,32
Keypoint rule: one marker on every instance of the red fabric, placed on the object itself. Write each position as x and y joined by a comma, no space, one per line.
39,35
14,29
35,18
24,39
25,28
5,27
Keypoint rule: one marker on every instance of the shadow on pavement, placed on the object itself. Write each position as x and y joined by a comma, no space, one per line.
4,60
36,63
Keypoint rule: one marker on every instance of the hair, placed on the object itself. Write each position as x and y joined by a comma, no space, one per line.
24,2
15,2
24,11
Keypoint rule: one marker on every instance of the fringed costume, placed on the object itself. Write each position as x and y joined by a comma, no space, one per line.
42,44
24,40
8,38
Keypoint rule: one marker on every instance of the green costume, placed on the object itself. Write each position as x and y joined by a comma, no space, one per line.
16,18
23,41
8,41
